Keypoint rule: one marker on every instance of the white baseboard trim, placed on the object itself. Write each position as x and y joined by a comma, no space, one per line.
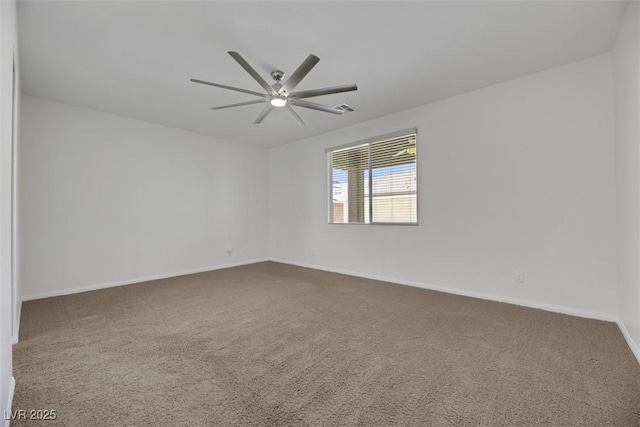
79,289
7,409
627,336
481,295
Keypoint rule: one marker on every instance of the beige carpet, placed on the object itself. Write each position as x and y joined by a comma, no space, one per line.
271,344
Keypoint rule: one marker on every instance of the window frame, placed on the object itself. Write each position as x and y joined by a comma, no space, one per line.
369,141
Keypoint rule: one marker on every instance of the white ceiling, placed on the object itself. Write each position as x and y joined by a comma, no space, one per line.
136,58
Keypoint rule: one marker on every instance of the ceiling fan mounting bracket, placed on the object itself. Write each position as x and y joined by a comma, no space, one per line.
277,75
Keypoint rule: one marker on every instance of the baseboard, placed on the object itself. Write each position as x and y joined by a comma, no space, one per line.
79,289
627,336
9,404
481,295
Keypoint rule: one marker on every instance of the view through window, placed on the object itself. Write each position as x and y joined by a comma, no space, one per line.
375,181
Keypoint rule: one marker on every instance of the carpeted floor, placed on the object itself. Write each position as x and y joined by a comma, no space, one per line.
271,344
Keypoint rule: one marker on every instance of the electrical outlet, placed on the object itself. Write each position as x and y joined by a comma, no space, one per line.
518,276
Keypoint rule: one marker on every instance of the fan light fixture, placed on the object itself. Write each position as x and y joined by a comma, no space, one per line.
278,102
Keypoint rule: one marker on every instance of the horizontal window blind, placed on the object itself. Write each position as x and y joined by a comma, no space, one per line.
375,181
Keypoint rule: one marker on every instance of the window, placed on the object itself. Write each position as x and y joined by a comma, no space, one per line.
375,181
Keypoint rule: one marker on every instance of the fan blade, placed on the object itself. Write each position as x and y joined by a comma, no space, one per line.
264,113
237,89
249,69
299,74
324,91
314,106
294,115
259,101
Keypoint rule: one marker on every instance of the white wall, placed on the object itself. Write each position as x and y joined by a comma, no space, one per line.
107,199
627,90
16,296
7,48
517,176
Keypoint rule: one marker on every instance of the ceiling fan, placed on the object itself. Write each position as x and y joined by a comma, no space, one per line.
281,95
411,149
408,150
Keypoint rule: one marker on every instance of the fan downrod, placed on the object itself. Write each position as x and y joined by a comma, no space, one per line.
277,75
